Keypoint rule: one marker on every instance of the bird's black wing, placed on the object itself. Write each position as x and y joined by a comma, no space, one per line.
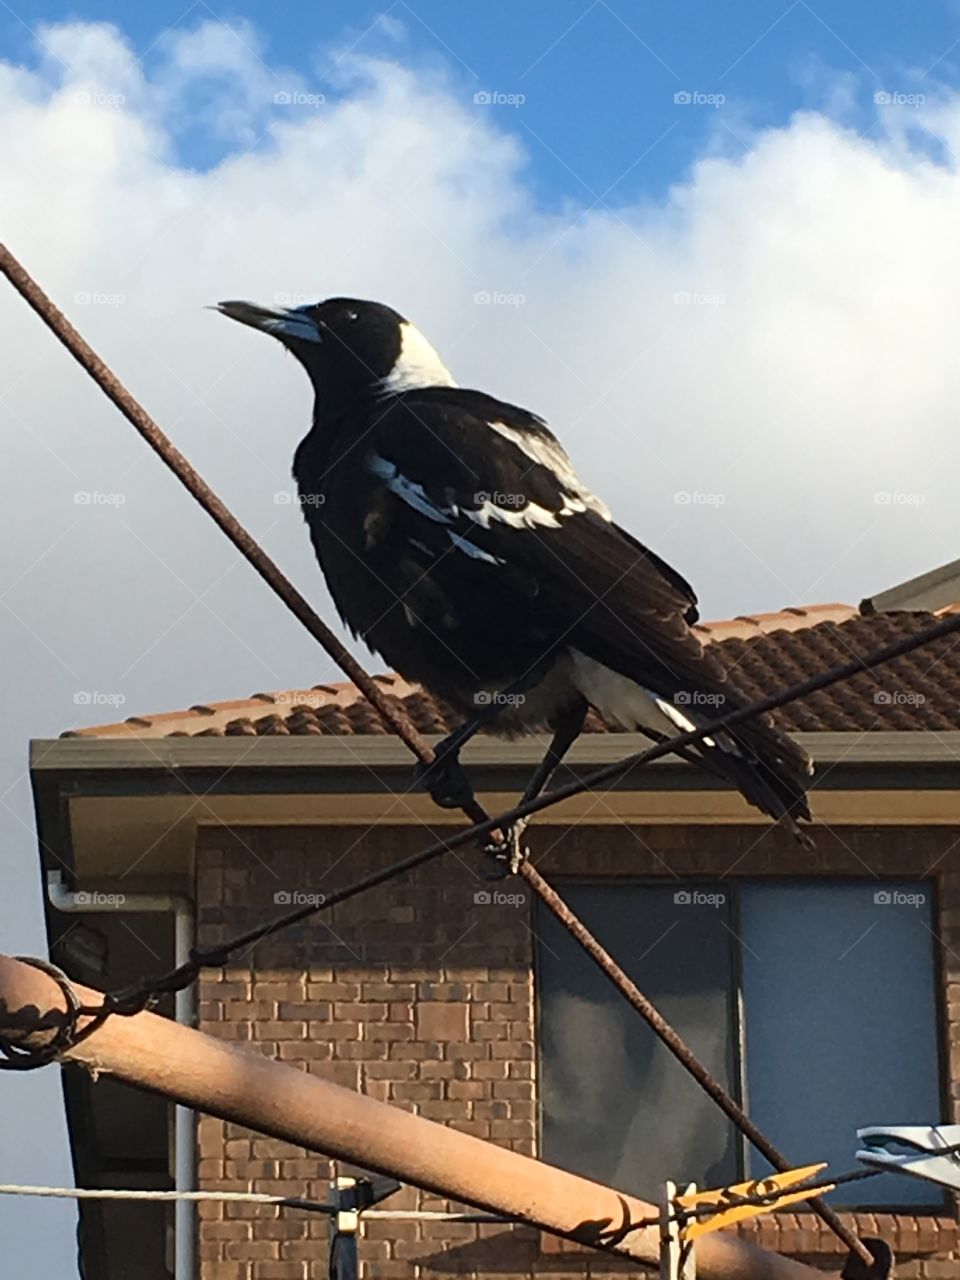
490,481
489,490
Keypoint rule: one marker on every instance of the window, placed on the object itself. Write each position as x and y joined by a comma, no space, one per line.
814,1001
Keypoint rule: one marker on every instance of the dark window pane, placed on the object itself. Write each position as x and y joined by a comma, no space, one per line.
616,1105
841,1022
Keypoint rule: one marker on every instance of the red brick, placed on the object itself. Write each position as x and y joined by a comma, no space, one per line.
279,1031
304,1010
227,1230
333,991
292,989
391,1070
442,1020
332,1030
466,1089
305,1051
388,1031
389,991
490,991
417,1091
441,1070
347,1011
249,1250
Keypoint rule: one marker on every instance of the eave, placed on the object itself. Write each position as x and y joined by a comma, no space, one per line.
128,807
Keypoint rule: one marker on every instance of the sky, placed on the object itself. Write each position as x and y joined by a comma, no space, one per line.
716,246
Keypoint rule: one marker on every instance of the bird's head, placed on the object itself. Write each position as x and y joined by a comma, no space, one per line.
349,348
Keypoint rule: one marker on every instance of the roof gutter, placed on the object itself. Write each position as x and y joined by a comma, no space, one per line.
233,763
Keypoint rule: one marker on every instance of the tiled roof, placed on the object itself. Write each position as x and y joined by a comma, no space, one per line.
764,652
748,626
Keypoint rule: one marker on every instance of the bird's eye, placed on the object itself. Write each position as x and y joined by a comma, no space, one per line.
353,315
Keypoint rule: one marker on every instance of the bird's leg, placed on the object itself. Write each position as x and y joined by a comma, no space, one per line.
568,728
445,778
511,852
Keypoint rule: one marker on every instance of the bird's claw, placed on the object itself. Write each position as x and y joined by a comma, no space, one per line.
508,852
445,779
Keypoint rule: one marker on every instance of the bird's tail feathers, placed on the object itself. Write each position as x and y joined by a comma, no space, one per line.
775,785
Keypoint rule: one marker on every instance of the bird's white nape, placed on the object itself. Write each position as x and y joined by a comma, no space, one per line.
417,365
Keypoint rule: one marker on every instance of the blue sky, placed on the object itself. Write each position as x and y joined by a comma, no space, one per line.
597,77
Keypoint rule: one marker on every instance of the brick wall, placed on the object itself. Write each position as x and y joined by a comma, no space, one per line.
415,995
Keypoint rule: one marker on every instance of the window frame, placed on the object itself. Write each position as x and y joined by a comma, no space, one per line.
735,1003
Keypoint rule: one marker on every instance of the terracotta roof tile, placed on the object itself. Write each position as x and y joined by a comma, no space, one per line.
746,626
764,652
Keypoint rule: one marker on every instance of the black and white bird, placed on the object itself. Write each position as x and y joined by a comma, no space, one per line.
457,540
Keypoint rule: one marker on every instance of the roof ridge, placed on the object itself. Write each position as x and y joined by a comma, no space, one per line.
791,618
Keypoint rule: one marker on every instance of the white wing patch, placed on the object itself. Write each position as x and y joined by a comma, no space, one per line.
417,365
618,699
413,494
622,701
531,516
474,552
550,454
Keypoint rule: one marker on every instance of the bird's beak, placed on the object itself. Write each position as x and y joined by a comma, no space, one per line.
280,322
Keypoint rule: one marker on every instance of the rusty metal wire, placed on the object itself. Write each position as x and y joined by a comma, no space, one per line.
141,994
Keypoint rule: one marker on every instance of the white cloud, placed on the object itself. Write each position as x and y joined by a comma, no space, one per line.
812,358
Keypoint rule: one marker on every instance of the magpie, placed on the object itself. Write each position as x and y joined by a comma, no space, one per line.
458,542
